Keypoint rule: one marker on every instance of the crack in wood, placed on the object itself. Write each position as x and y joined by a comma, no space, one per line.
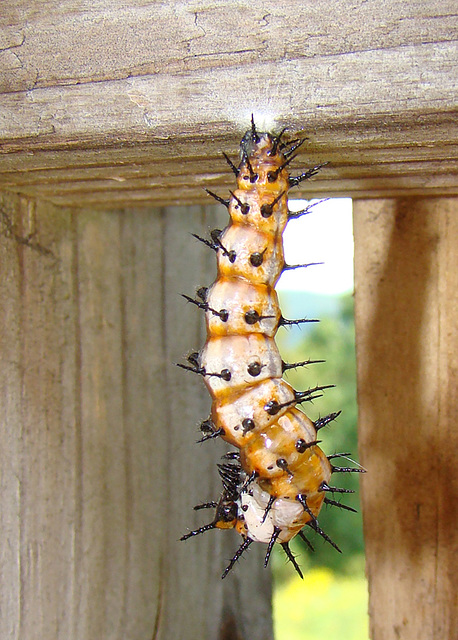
7,230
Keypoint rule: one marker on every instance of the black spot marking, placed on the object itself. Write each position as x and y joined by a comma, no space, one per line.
252,316
254,368
248,424
257,259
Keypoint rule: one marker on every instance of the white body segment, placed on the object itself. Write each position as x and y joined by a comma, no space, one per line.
250,359
283,514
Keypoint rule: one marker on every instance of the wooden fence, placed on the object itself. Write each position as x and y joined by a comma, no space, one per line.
111,115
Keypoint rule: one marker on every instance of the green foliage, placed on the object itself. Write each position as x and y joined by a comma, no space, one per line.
332,339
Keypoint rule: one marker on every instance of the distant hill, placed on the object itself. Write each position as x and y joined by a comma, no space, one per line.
301,304
298,304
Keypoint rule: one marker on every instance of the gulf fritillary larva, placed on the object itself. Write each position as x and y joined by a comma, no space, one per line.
276,480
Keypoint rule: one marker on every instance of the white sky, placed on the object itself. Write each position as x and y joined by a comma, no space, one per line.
323,235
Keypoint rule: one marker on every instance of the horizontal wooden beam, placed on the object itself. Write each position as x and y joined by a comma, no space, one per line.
116,90
182,37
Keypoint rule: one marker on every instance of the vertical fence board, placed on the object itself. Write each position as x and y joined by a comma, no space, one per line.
99,471
239,607
406,262
11,427
38,438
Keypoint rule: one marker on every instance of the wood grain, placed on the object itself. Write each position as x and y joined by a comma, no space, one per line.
99,466
198,36
113,107
406,309
100,90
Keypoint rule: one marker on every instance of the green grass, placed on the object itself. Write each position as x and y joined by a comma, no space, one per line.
331,602
323,606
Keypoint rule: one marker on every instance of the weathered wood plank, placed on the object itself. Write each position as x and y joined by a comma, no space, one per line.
406,309
76,98
99,192
62,44
84,570
176,194
409,81
99,469
193,577
38,431
194,170
352,142
121,446
169,177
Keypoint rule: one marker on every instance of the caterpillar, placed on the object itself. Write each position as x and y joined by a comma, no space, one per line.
276,478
